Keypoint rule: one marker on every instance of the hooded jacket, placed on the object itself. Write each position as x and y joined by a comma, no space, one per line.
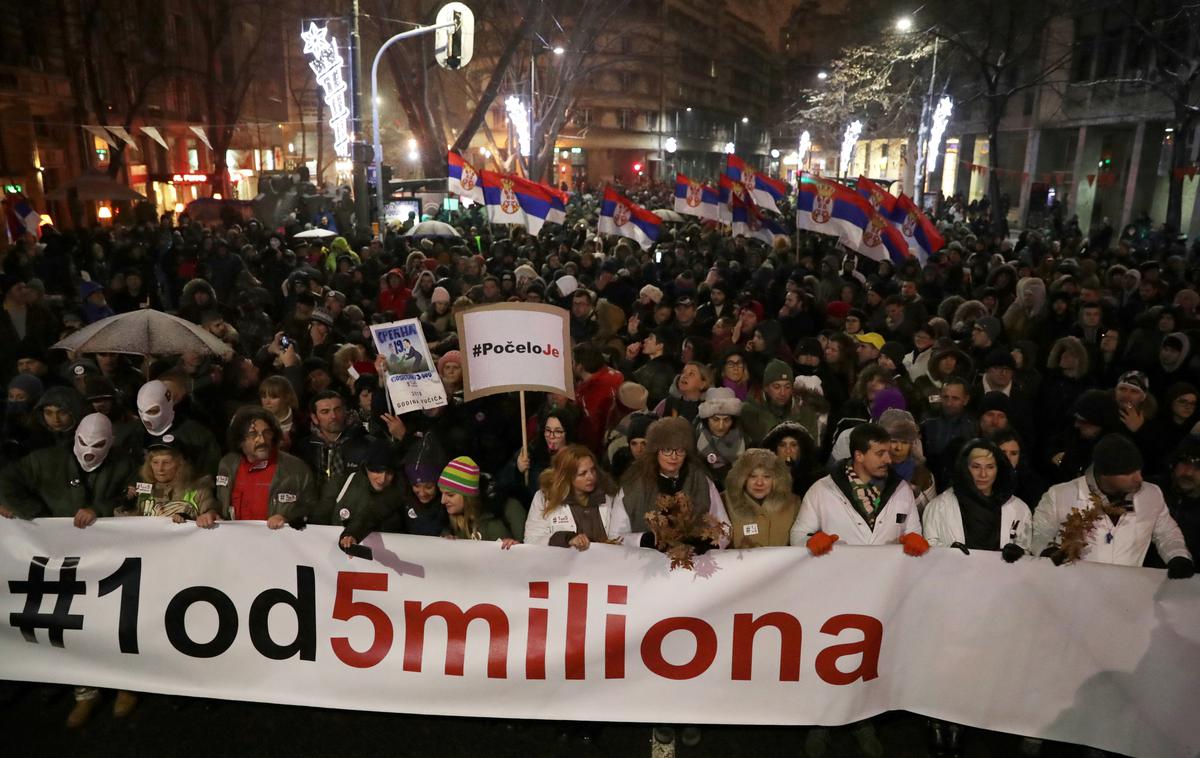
51,482
361,510
765,524
943,518
60,397
394,299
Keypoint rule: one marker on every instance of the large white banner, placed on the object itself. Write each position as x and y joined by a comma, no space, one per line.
1091,654
515,346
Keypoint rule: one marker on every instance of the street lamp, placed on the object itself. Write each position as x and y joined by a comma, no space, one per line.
745,119
558,50
904,24
822,75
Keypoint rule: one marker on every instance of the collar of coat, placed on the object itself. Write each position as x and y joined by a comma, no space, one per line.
842,481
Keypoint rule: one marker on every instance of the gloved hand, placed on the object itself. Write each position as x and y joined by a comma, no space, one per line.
699,545
821,543
961,547
300,523
1180,568
914,544
647,540
1012,552
1055,554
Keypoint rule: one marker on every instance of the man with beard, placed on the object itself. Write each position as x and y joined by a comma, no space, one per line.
332,449
1133,514
256,481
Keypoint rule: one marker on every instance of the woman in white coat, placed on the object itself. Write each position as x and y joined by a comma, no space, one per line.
575,504
979,511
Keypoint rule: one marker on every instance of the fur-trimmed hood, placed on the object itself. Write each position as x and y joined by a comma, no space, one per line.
739,503
1074,346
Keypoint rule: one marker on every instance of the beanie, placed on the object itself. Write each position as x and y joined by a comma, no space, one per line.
995,401
451,356
1115,454
777,371
886,399
440,295
460,475
991,325
29,384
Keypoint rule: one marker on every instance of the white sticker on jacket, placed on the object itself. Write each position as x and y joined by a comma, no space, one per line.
222,481
749,529
286,497
144,488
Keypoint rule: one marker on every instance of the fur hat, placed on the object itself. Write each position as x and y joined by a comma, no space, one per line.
440,295
720,401
651,293
673,433
991,325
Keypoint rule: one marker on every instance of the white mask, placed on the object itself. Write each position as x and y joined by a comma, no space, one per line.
93,440
155,407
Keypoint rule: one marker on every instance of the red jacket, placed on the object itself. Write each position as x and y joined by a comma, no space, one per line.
595,397
394,299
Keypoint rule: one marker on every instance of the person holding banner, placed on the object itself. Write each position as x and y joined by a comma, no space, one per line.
368,500
469,519
575,504
668,467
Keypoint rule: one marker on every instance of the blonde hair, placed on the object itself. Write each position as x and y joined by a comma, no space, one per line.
464,525
978,453
183,475
343,358
558,481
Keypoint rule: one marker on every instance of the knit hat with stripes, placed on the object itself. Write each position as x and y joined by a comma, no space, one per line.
460,475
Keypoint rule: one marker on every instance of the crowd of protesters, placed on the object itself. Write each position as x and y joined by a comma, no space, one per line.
797,394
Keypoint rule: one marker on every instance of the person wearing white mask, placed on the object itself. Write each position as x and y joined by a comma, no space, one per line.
84,482
156,409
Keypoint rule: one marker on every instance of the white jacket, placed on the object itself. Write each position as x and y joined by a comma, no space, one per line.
716,509
826,509
943,524
1130,538
539,527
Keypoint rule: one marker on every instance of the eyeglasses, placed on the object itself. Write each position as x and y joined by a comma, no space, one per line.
673,452
556,432
737,363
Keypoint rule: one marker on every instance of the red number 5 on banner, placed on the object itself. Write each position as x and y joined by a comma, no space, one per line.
345,608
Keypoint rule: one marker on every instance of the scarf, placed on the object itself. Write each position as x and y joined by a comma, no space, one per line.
868,496
719,452
980,517
740,391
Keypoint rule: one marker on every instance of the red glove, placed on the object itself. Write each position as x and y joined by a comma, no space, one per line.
821,543
914,544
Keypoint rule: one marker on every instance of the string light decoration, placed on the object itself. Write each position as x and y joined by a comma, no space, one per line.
941,116
853,132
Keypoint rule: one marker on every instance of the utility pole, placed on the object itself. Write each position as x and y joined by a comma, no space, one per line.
362,205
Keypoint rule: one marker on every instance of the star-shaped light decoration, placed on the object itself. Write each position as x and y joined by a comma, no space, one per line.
315,39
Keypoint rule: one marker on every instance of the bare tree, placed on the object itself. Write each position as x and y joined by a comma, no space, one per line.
233,34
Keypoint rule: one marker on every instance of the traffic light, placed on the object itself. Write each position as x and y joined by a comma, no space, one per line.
455,46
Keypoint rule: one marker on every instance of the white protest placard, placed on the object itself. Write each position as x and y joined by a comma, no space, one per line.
412,384
515,346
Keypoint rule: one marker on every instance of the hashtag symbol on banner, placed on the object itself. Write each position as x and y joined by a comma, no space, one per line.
477,351
35,588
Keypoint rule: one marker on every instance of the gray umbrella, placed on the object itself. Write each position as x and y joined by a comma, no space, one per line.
93,187
432,229
144,332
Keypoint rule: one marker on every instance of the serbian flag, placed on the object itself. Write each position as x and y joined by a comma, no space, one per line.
462,178
695,199
512,200
764,190
620,216
922,236
878,239
731,194
828,207
558,204
880,199
750,222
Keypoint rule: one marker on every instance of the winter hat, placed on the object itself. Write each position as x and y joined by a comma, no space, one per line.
1178,389
379,459
810,346
460,475
639,424
29,384
1115,454
98,388
787,429
886,399
837,309
720,401
633,396
777,371
1096,407
1174,340
1135,379
423,461
566,285
991,325
995,401
440,295
651,293
809,384
1000,359
673,433
900,424
451,356
321,316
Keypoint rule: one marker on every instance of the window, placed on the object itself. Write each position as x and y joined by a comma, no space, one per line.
625,119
